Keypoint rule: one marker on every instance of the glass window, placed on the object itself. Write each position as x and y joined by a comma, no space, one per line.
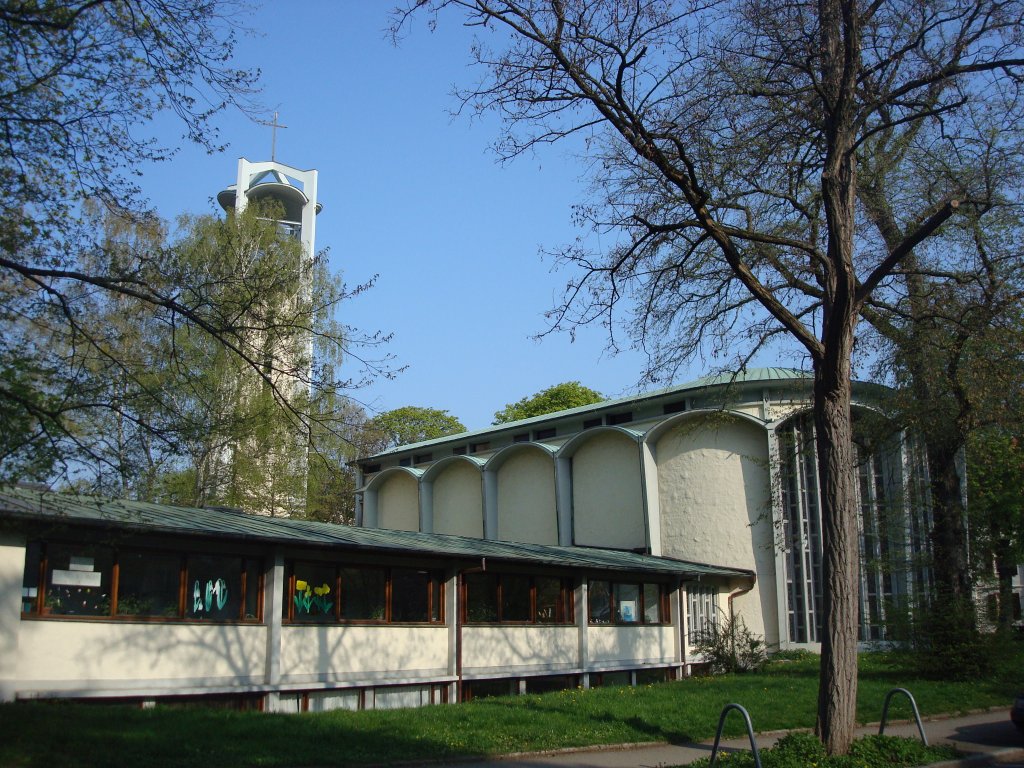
213,587
481,597
314,593
410,595
515,597
703,607
253,590
436,613
551,608
78,580
148,584
652,604
599,602
364,594
30,577
627,603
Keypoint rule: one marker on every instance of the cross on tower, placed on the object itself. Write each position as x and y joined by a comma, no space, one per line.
273,125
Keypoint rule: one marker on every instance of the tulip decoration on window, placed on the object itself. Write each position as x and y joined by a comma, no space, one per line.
311,600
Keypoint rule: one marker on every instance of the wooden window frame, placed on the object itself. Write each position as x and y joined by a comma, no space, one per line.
436,577
39,611
664,605
565,607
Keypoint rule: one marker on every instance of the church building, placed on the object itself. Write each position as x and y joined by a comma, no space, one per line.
582,548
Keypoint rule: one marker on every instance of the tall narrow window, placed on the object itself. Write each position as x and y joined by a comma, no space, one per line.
481,597
702,606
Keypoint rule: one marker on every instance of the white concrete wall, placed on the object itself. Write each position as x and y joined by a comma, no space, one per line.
715,506
526,498
607,493
458,501
359,652
632,645
398,503
87,655
12,567
518,648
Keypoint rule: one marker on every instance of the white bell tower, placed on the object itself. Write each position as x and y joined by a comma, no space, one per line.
293,189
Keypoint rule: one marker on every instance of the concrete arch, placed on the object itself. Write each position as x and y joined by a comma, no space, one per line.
494,462
573,444
439,466
606,493
381,477
391,499
520,495
714,499
452,496
656,432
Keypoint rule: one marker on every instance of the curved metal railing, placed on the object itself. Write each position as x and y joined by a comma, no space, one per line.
913,704
750,733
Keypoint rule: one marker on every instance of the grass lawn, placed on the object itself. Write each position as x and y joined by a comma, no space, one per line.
782,697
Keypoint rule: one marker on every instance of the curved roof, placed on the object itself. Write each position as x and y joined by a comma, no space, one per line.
273,184
750,375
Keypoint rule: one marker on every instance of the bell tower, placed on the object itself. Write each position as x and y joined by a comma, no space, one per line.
282,466
293,189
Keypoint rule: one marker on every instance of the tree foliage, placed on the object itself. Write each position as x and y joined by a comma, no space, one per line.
410,424
730,147
559,397
996,476
121,348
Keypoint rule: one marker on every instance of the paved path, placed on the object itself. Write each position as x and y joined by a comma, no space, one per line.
984,737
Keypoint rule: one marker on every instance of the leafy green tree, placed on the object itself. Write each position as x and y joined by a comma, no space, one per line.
995,462
239,424
117,351
560,397
725,143
411,424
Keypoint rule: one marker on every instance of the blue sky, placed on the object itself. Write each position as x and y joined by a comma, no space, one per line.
415,196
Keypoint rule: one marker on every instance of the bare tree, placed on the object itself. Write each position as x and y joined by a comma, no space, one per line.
725,141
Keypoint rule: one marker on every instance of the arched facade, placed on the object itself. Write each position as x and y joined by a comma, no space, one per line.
525,497
715,496
397,501
607,489
457,491
722,471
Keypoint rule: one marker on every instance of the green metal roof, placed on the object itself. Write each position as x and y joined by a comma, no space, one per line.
746,376
20,504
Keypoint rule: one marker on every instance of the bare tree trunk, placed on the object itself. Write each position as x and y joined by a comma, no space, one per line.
837,693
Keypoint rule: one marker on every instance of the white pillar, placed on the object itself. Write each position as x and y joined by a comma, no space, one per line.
582,627
490,504
426,506
12,569
273,607
651,500
563,500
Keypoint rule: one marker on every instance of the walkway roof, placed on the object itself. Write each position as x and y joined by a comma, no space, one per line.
21,504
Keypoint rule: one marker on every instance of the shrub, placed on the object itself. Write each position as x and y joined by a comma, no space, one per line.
730,646
800,750
947,644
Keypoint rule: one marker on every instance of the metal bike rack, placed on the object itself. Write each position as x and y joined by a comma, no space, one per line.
913,704
750,733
